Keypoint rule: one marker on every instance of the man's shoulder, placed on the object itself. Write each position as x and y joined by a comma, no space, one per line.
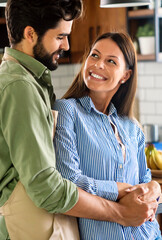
11,72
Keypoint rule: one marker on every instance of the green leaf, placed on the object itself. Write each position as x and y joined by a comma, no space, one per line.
145,30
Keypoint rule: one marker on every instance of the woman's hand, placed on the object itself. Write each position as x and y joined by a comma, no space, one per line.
153,190
55,115
122,187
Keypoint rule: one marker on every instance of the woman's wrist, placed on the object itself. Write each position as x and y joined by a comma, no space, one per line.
122,187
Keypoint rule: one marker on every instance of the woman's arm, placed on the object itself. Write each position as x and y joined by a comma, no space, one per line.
68,159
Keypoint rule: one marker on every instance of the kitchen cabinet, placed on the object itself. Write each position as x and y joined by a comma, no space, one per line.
142,16
3,33
3,37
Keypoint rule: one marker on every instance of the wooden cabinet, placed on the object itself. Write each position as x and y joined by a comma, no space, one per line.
95,21
3,33
3,37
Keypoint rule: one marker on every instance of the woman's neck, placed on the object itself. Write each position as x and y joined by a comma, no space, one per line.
100,101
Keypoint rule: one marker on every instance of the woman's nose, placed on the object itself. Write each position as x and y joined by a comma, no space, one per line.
100,64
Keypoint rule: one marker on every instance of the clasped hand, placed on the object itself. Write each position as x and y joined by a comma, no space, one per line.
139,202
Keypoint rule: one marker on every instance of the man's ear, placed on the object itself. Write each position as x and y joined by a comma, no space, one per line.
30,35
126,76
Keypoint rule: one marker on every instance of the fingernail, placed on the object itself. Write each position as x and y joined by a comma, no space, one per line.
127,190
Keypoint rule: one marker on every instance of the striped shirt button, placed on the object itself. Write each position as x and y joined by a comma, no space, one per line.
121,166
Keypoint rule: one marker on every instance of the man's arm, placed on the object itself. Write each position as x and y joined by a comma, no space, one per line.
129,211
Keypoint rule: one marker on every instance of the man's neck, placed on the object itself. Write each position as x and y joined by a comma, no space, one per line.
24,47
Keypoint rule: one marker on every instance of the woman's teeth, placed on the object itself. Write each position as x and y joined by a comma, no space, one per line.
96,76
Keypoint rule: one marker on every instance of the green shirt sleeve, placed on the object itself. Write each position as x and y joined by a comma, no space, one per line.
27,127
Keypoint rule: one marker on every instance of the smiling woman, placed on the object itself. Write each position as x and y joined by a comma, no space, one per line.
98,143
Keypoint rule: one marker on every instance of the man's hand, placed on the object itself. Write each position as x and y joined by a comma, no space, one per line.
153,191
133,210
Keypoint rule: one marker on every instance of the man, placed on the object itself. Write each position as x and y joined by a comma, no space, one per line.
38,32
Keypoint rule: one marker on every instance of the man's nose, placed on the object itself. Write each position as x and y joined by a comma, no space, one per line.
65,44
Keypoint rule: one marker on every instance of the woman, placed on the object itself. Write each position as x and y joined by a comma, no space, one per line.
99,145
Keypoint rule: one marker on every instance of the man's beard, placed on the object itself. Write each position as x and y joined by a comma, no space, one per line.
41,55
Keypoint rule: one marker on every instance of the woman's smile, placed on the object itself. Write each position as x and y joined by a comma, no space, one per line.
96,76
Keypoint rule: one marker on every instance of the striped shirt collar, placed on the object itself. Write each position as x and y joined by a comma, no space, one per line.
88,105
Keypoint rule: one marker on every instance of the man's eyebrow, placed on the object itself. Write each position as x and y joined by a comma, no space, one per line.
64,34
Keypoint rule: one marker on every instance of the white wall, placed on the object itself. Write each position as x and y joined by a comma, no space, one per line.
63,77
149,91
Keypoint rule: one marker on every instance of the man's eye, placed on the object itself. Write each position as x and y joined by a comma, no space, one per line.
59,38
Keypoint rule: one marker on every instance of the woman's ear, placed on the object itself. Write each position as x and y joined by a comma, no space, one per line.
126,76
30,35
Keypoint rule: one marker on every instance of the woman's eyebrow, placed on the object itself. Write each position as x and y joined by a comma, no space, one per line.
107,55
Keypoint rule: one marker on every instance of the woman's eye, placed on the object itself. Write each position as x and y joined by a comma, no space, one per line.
111,61
94,55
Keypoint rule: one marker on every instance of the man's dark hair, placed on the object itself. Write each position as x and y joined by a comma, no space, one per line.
42,15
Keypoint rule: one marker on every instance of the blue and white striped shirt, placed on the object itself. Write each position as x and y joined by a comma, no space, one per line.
89,154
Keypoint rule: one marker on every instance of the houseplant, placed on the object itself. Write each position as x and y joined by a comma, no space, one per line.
146,38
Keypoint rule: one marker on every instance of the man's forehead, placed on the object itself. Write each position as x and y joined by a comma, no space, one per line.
64,26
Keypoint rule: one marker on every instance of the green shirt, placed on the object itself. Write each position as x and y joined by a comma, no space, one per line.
26,128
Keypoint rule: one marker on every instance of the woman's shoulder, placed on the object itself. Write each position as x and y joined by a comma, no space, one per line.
131,121
137,125
132,125
65,104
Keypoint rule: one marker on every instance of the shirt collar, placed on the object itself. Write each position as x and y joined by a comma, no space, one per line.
36,68
87,104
